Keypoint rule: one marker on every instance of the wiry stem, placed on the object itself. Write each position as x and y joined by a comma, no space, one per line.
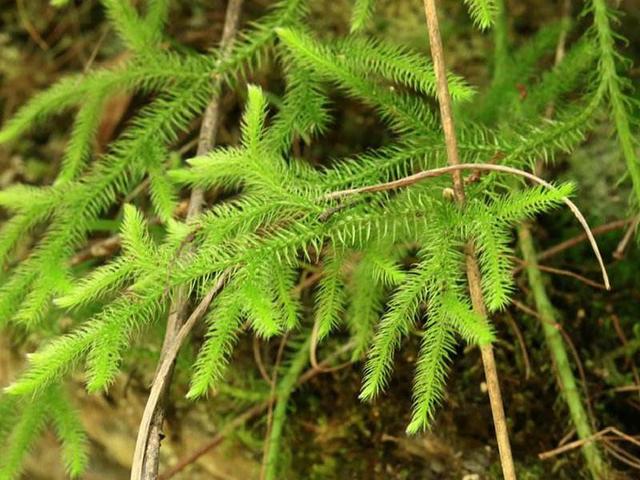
436,172
146,457
473,271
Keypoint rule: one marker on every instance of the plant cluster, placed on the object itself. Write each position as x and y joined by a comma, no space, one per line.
391,262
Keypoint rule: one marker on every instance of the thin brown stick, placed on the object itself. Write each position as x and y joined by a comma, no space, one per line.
567,273
523,345
146,455
578,443
625,344
622,246
572,242
163,377
257,356
473,272
456,168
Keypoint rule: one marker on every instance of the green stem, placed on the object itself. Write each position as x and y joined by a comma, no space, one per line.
615,87
285,388
553,337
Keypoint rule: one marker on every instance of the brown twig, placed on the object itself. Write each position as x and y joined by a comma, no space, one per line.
257,356
572,242
596,436
625,343
473,271
563,272
618,254
146,455
455,169
523,346
163,377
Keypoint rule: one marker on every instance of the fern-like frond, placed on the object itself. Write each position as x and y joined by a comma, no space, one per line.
361,14
224,322
437,347
33,416
397,64
616,87
483,12
404,112
331,296
69,431
402,310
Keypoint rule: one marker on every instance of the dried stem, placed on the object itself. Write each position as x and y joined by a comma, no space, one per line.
455,170
162,381
146,456
473,272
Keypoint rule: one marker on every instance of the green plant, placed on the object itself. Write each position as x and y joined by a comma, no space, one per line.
245,254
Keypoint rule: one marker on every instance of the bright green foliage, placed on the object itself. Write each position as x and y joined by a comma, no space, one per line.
362,12
483,12
617,87
277,224
22,423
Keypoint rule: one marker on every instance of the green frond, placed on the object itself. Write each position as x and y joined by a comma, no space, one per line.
224,322
80,144
9,415
331,296
519,205
137,34
564,78
101,282
33,416
395,324
162,193
361,14
156,15
616,87
483,12
303,112
113,329
404,112
283,280
253,119
136,241
69,431
259,304
475,329
366,303
438,345
51,362
491,240
397,64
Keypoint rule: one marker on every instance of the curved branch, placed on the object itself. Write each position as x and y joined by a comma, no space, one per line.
437,172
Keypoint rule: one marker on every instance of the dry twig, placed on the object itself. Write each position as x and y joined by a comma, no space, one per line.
473,271
146,455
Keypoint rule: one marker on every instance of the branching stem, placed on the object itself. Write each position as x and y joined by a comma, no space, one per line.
146,456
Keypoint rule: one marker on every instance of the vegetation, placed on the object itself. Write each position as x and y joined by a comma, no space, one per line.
381,230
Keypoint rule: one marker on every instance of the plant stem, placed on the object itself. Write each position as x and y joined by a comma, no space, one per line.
177,315
566,379
473,272
553,337
285,388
